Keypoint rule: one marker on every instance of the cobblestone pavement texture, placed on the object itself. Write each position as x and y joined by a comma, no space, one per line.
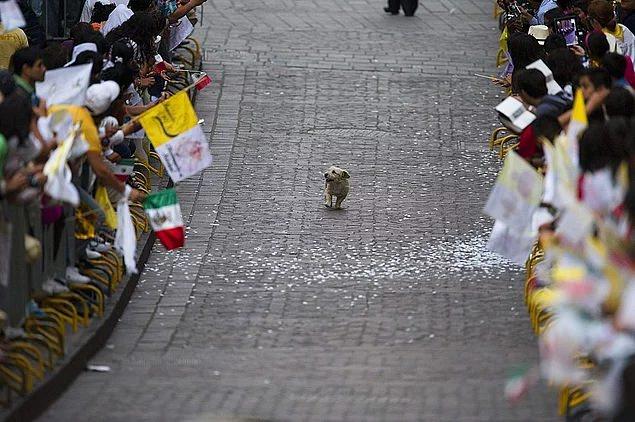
279,309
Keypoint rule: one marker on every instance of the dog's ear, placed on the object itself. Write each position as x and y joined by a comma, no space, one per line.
345,174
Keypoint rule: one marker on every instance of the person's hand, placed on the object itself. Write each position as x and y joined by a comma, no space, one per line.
114,157
164,96
16,183
111,130
137,196
525,14
35,168
504,83
40,109
38,179
577,50
165,76
145,82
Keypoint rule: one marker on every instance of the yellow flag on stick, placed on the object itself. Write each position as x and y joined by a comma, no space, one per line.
169,119
577,125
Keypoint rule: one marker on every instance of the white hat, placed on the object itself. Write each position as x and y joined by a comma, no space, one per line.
539,32
80,48
100,96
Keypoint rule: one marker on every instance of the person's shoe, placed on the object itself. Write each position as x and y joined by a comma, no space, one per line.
90,254
32,308
74,276
53,287
12,333
98,246
392,12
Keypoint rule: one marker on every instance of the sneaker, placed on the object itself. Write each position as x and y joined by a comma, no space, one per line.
14,333
73,276
99,246
32,308
91,254
53,287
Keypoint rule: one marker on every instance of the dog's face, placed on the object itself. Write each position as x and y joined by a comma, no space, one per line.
335,174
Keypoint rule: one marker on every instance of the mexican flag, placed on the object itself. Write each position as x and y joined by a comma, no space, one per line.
203,81
123,169
164,212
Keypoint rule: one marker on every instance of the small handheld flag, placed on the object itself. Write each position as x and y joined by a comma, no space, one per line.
164,212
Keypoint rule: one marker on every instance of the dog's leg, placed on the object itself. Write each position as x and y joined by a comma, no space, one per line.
338,203
328,199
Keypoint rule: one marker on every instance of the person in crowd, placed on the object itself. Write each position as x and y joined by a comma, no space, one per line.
10,42
603,148
595,85
95,59
565,65
142,29
33,29
552,15
542,7
553,42
100,15
28,68
116,18
532,88
523,50
615,64
89,6
627,16
141,5
99,99
54,55
173,10
619,103
545,127
22,177
603,18
597,45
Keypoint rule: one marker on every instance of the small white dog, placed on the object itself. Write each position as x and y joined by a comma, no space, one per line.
336,185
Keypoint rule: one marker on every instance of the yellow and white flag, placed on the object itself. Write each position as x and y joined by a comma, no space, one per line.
169,119
577,125
173,129
516,194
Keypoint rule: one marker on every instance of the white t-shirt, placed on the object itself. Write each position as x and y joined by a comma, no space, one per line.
87,11
628,43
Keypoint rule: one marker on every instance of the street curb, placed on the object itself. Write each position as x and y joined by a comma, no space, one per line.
35,403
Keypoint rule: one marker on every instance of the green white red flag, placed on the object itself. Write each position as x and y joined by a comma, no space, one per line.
164,212
123,169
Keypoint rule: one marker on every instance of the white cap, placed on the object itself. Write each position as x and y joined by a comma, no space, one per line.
80,48
100,96
539,32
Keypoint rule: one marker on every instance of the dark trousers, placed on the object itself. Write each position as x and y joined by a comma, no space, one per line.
393,5
408,6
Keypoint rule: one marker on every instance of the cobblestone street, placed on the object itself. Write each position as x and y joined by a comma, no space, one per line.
280,309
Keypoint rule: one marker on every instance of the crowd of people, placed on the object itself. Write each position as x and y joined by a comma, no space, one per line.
565,199
66,164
